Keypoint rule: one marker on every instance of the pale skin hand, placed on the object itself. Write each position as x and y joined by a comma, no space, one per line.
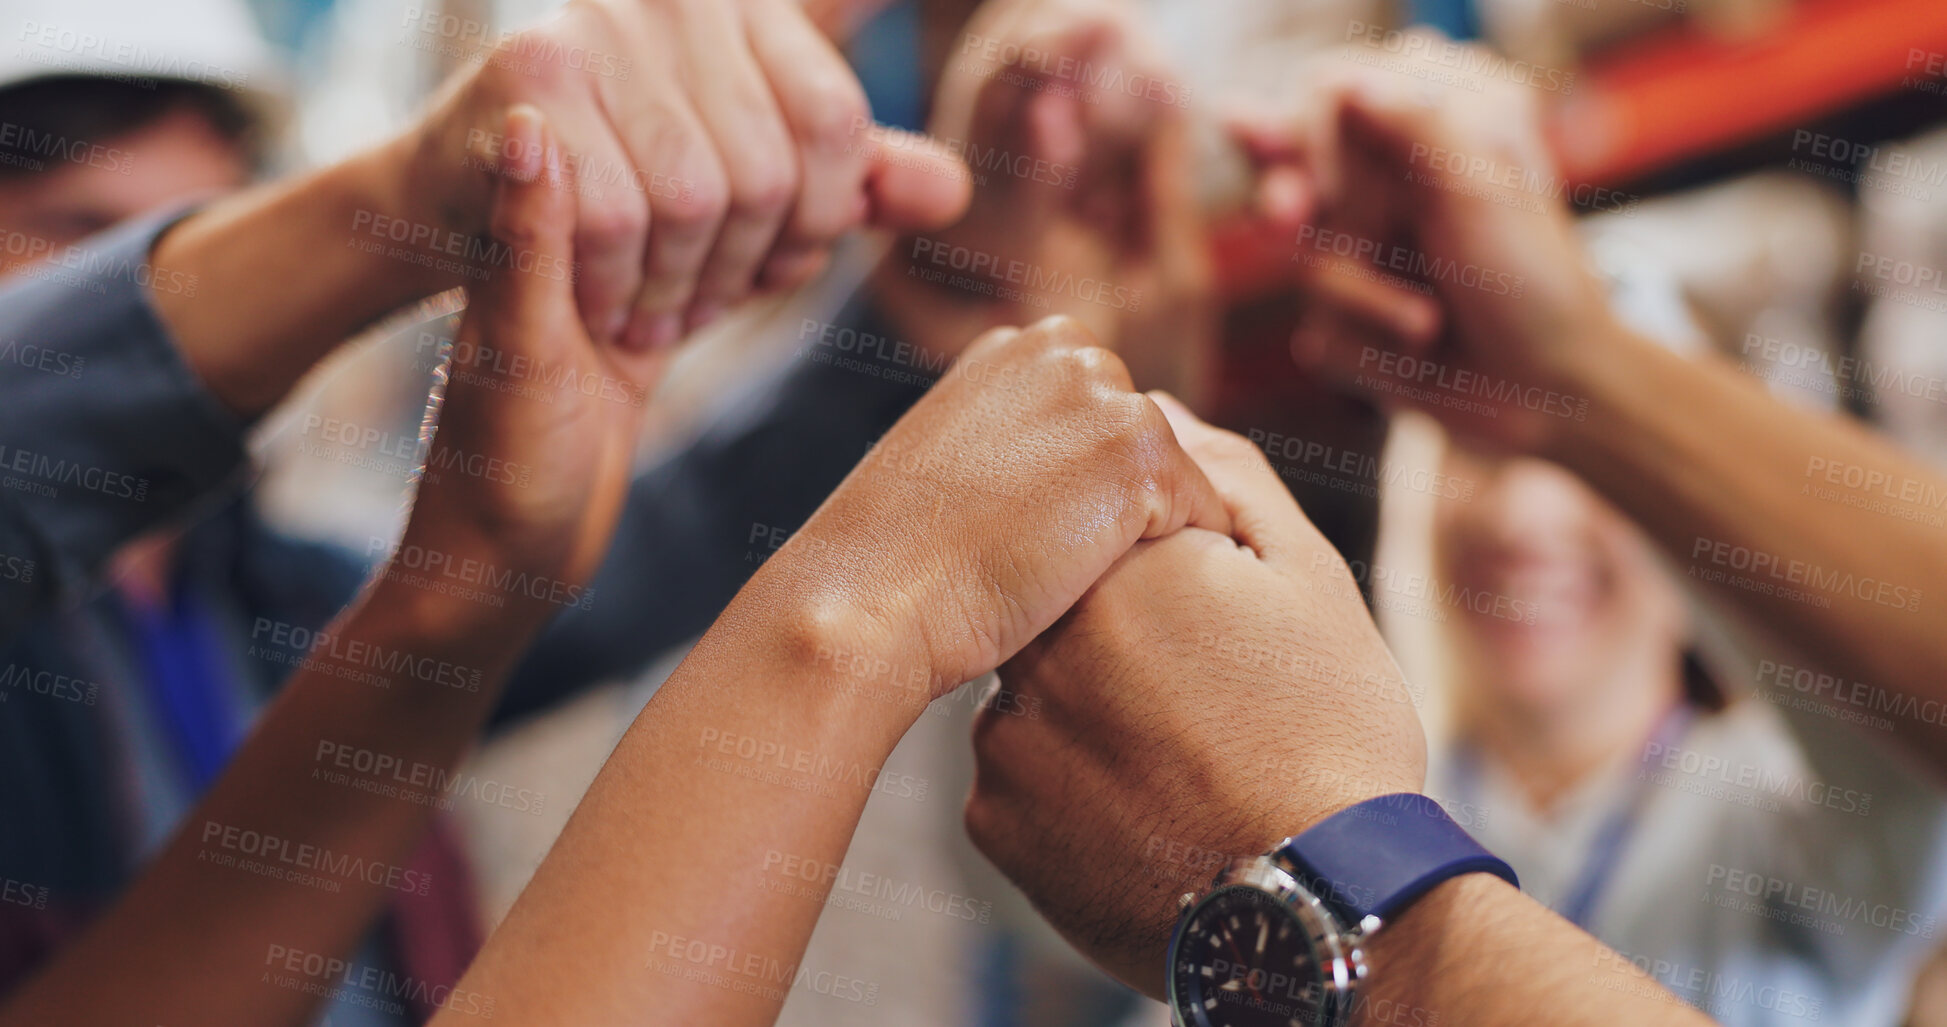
193,939
1212,695
1718,471
973,525
697,188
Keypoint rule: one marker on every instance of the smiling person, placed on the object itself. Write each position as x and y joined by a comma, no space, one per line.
1714,469
1639,795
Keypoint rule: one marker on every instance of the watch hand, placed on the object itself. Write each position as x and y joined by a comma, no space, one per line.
1231,940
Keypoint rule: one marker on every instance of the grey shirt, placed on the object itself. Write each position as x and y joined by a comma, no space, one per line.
105,431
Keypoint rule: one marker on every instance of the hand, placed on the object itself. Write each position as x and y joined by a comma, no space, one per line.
720,148
1083,178
534,450
1207,698
1446,272
985,512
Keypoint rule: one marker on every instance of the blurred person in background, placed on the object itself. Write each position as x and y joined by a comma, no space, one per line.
1584,722
1589,741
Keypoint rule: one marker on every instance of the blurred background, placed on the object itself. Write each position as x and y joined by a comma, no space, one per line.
1763,177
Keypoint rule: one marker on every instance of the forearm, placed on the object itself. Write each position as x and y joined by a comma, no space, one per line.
285,854
1806,522
756,750
281,274
1475,951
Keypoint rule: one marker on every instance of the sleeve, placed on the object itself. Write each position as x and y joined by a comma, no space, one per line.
699,523
104,429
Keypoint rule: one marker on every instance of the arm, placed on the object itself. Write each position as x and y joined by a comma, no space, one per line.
712,513
258,287
282,273
946,550
1213,694
1791,516
104,430
280,856
1482,954
1806,523
235,302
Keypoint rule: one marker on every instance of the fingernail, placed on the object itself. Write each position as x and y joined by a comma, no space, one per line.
520,151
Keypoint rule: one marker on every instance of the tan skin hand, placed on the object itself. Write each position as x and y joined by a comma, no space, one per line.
1089,184
975,523
552,503
1454,264
190,935
1209,695
929,538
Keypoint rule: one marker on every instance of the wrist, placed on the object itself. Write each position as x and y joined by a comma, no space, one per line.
452,580
1603,372
423,636
399,185
1444,926
832,653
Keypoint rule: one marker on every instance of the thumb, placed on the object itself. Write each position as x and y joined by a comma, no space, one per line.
1263,515
913,183
528,297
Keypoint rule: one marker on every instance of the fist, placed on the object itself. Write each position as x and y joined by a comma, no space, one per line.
1208,697
989,509
700,179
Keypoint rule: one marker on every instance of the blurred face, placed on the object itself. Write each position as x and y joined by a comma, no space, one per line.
1534,540
174,158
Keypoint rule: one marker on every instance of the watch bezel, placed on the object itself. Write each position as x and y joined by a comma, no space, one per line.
1342,958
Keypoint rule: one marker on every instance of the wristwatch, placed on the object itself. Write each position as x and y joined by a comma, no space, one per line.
1278,940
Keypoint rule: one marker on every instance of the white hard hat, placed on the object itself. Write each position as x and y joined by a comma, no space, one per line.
210,42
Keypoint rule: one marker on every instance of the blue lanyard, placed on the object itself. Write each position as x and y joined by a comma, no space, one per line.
182,663
1606,848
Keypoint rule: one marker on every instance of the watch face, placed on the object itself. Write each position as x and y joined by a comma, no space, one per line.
1245,959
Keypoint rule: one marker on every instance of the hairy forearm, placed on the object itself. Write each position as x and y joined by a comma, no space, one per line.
1806,522
759,749
1475,951
283,854
286,271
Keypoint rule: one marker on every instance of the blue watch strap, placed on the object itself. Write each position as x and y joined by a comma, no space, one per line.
1376,857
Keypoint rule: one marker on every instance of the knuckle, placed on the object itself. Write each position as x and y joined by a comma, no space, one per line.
765,184
621,222
514,229
1060,330
982,821
834,112
1231,447
701,205
1141,435
1097,375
